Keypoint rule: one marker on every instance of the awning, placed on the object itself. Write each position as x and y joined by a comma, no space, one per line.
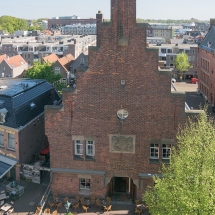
6,163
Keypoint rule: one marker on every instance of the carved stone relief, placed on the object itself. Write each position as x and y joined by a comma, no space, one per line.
122,143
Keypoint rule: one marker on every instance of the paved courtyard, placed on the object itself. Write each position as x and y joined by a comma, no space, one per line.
28,202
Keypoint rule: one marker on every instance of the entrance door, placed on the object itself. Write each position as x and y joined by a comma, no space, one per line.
121,184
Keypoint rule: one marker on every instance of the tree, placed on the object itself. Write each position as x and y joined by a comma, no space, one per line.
43,70
182,64
187,185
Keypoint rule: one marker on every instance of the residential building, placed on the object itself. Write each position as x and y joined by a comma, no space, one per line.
206,65
22,133
34,48
79,29
13,67
164,31
62,67
168,53
57,23
118,123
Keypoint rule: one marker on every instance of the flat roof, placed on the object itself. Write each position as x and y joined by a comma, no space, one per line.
11,87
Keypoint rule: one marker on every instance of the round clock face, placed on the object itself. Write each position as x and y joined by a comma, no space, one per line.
122,114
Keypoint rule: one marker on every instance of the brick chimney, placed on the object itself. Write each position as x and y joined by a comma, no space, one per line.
123,16
212,22
99,19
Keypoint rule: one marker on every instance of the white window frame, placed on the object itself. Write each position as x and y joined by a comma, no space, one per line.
154,149
11,141
167,149
78,143
83,183
57,70
90,148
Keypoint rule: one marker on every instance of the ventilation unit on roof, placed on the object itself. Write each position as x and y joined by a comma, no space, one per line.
32,105
210,44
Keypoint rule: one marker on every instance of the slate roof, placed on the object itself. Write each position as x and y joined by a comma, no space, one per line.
52,58
25,99
15,61
208,44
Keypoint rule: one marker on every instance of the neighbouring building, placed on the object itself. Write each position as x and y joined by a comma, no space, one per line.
206,65
12,67
62,67
22,133
57,23
164,31
169,52
34,48
118,124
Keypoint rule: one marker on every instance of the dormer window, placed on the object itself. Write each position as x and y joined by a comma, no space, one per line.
3,114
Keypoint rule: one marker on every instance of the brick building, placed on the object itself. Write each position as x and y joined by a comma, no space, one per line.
206,65
118,125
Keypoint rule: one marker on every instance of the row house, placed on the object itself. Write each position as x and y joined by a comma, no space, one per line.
206,65
79,29
61,46
12,67
22,133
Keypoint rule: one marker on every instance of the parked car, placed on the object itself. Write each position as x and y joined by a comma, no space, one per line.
194,80
173,80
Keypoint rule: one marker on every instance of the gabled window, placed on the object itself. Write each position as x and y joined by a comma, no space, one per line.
78,147
3,114
90,148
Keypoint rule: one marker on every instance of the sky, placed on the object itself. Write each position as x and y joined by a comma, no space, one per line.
146,9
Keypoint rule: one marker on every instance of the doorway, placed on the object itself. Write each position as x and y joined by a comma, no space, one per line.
122,189
121,184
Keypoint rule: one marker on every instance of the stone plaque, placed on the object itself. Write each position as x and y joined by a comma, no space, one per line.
122,143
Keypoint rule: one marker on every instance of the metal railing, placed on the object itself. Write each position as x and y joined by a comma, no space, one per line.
44,198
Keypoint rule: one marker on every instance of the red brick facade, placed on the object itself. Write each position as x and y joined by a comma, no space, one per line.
123,74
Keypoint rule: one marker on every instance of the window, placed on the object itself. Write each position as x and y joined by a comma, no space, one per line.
163,50
193,51
90,148
122,113
78,147
2,138
171,65
187,51
28,55
11,141
166,151
84,183
154,151
82,61
57,70
171,58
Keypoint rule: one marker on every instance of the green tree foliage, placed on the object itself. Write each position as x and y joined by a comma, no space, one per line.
43,70
182,63
11,24
188,183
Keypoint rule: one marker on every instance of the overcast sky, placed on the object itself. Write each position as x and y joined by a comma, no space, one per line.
146,9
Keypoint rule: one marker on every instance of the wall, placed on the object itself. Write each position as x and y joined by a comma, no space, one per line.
89,112
32,139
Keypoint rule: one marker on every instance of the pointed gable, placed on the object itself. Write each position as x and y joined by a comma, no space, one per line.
15,61
52,58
